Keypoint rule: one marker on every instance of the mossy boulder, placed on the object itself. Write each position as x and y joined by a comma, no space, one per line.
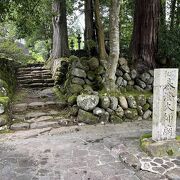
73,58
104,102
131,113
87,117
116,119
75,88
146,107
141,100
93,63
4,119
72,100
160,148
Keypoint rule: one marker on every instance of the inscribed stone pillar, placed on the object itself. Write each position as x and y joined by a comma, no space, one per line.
164,104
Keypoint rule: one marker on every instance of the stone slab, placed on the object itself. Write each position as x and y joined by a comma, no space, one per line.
164,104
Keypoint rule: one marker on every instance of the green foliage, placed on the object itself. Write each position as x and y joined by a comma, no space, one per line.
169,46
10,49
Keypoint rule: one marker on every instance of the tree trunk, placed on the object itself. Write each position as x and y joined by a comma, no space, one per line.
145,34
178,14
89,25
172,15
114,45
60,35
100,34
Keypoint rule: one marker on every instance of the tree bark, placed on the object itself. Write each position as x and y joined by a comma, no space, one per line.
178,14
89,24
163,13
100,34
114,45
60,35
172,15
145,34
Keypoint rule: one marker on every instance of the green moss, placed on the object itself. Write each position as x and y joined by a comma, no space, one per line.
73,58
178,138
6,131
4,100
72,100
170,152
146,107
59,95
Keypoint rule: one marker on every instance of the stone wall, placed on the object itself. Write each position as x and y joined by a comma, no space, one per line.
7,85
82,80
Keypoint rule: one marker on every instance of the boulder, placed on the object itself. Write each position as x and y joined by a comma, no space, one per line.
91,76
72,100
147,114
119,72
122,61
131,102
116,119
77,80
141,100
133,74
123,102
98,111
124,83
104,102
75,88
140,111
145,77
3,121
138,88
2,109
127,77
87,117
119,112
104,117
125,68
87,102
131,113
93,63
146,107
119,81
141,83
113,102
150,81
78,73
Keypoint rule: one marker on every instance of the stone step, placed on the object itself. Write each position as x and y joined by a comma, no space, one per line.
30,81
35,76
31,68
21,108
35,85
34,72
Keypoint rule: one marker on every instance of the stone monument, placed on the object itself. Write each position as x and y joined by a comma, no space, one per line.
164,104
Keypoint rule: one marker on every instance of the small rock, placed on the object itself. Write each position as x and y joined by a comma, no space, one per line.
119,81
131,102
87,117
93,63
145,77
122,61
20,107
39,125
133,74
141,100
119,72
110,111
150,81
140,83
19,126
127,77
87,102
104,117
131,83
2,109
138,88
119,112
77,80
146,107
123,102
113,103
140,111
125,68
131,113
104,102
3,92
151,72
124,83
131,160
98,111
78,73
147,114
116,119
75,88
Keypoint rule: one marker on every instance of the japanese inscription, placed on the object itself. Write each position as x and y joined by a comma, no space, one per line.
164,104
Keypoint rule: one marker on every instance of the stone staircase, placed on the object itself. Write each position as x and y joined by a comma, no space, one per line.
35,104
34,76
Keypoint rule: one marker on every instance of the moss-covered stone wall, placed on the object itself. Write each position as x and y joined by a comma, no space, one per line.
7,86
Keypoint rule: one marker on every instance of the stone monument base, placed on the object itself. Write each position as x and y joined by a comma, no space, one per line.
161,148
